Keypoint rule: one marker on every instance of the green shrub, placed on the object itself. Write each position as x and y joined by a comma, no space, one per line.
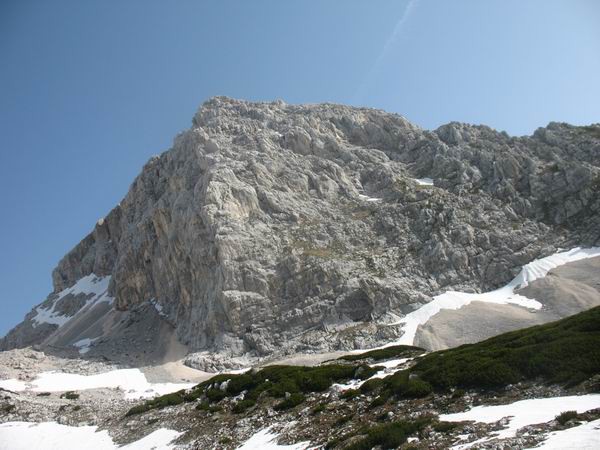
292,401
389,435
314,383
215,395
205,406
349,394
565,416
243,382
444,427
365,372
8,408
317,409
138,409
566,351
404,386
243,405
381,399
458,393
396,351
70,395
343,420
174,398
371,385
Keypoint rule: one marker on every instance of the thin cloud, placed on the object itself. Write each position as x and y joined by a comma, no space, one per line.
389,44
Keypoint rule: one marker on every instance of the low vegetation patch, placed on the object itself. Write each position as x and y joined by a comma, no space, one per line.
175,398
291,401
444,427
8,408
318,409
70,395
290,383
205,406
565,416
396,351
349,394
243,405
566,352
389,435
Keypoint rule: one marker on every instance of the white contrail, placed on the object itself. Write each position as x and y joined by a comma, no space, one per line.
384,52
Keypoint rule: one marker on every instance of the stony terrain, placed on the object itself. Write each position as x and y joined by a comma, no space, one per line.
387,398
273,228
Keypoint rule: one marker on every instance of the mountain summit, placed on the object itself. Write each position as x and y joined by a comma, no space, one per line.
271,228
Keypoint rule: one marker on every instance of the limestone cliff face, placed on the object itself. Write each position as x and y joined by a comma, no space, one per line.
270,226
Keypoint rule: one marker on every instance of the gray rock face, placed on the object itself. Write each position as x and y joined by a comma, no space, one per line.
271,228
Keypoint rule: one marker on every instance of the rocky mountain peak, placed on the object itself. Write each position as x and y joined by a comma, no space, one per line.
270,227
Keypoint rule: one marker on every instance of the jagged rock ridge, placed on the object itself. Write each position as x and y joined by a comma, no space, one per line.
270,226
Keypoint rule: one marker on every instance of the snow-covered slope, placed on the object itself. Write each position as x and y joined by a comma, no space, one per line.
54,436
452,300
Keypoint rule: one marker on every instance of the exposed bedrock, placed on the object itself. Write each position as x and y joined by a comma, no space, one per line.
270,226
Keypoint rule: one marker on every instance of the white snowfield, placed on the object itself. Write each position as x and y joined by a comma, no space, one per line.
265,439
132,381
538,268
90,284
53,436
582,437
525,412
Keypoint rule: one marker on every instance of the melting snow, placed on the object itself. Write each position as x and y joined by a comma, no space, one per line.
132,381
538,268
366,198
53,436
267,440
582,437
84,345
391,363
424,181
389,367
90,284
159,308
525,412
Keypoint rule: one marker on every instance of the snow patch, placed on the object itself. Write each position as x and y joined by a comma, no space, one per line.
159,308
132,381
88,285
582,437
536,269
267,440
389,368
391,363
84,345
424,181
53,436
13,385
366,198
525,412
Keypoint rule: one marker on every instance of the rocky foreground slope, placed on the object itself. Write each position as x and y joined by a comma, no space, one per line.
513,391
270,227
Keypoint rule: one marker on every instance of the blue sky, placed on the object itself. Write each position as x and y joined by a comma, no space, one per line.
89,90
